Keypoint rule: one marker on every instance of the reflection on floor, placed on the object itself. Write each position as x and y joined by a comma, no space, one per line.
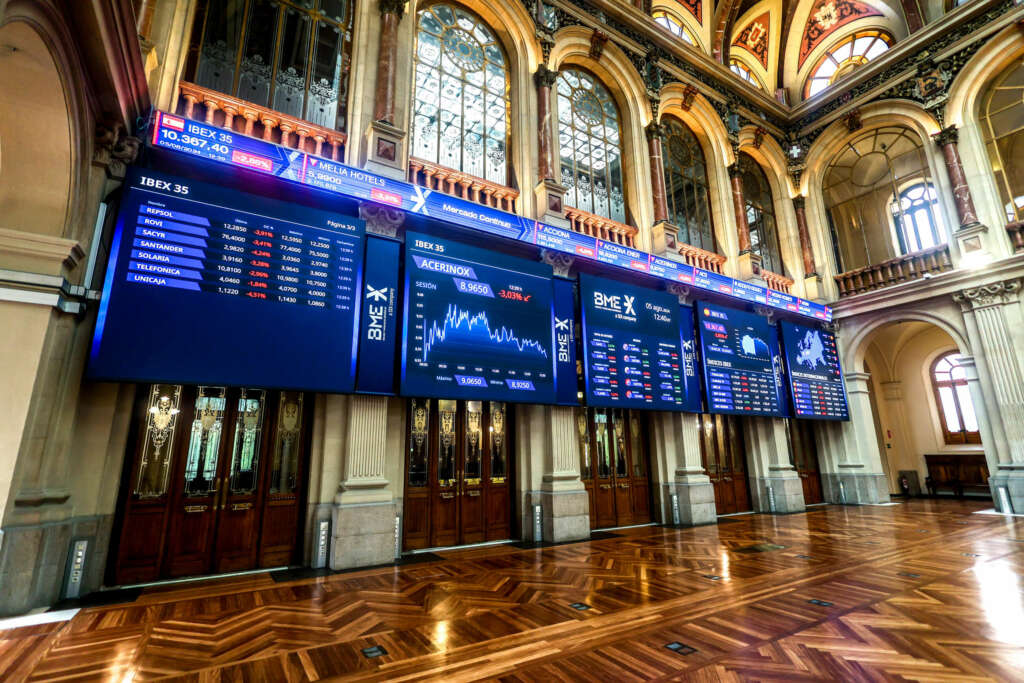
924,590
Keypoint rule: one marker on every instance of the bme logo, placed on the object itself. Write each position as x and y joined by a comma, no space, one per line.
614,302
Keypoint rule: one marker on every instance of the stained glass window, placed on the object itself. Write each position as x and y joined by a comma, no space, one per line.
290,55
162,410
589,143
687,186
849,53
757,196
673,24
953,396
461,102
284,459
744,72
1002,124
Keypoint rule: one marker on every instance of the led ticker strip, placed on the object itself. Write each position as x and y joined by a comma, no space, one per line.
216,144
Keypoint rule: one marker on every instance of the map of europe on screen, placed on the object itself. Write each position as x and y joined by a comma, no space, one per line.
815,374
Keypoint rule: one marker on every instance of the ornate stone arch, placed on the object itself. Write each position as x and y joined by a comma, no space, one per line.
857,336
617,73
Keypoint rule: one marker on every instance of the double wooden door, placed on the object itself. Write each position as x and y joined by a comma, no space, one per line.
458,485
803,454
213,484
725,460
615,466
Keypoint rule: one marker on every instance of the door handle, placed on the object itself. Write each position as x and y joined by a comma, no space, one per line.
447,496
474,493
623,486
605,487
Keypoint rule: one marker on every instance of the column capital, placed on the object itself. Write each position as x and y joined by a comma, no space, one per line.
396,7
734,170
947,136
799,202
560,262
995,294
654,130
544,77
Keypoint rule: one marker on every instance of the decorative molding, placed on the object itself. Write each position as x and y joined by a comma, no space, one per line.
382,220
560,263
995,294
754,38
689,95
597,43
396,7
114,149
852,121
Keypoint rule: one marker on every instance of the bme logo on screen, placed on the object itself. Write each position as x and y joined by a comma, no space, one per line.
620,305
379,302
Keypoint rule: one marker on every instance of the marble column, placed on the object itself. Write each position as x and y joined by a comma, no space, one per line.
364,510
391,12
799,206
992,314
912,13
654,134
772,475
678,470
544,78
850,450
946,139
565,507
740,208
144,18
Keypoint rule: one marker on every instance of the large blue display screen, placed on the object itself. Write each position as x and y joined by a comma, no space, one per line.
632,346
210,286
815,375
742,368
478,325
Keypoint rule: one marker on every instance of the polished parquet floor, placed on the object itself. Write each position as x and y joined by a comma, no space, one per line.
924,590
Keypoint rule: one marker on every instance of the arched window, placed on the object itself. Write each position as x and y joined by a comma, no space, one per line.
461,103
290,56
1002,121
744,72
757,196
589,145
687,185
916,218
673,24
849,53
953,398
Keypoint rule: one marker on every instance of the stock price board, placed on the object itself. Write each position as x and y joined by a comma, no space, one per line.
210,286
633,351
815,375
478,325
742,363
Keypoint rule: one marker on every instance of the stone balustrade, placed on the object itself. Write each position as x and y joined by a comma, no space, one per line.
895,270
225,111
1016,232
600,227
701,258
780,283
456,183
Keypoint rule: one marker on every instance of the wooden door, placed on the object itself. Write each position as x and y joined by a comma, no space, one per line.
724,457
458,474
203,492
614,466
803,454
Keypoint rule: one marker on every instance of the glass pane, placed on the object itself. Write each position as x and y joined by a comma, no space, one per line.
204,442
290,80
284,459
474,442
258,55
216,67
619,422
636,446
499,458
245,453
949,410
158,442
419,445
322,106
446,442
583,436
602,437
963,397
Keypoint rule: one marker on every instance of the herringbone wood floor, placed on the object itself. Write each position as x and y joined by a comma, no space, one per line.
920,591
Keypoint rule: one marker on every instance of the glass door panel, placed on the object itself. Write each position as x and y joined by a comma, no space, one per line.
204,442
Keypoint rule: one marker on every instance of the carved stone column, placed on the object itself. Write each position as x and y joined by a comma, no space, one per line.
749,263
679,471
364,511
812,283
946,139
391,12
549,191
851,464
565,506
992,314
386,140
773,480
654,133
